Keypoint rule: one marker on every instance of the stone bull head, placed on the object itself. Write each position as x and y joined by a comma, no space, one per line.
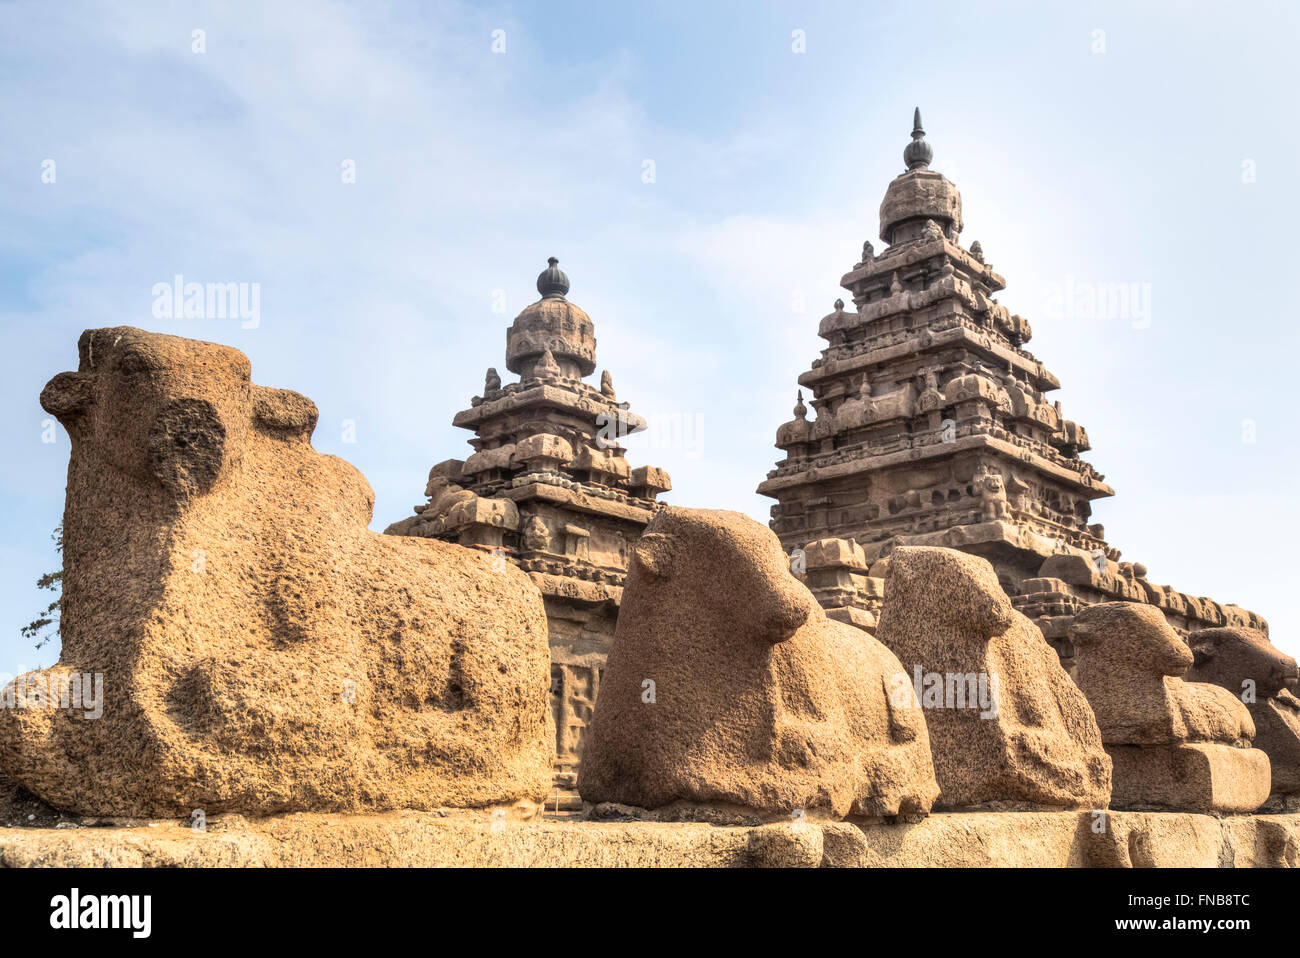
140,404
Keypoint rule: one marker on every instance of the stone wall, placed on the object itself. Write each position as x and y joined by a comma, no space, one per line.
850,586
421,840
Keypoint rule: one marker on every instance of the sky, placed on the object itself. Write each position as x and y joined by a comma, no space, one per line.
391,177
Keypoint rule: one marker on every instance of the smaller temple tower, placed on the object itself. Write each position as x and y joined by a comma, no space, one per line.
548,487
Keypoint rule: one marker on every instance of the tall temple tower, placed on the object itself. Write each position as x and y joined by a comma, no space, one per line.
933,427
548,487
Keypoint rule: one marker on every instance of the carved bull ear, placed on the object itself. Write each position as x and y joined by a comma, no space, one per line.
284,411
67,396
1201,653
657,553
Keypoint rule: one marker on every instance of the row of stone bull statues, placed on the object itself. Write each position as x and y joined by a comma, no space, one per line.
263,652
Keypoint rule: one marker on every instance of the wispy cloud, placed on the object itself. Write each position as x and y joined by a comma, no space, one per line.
472,167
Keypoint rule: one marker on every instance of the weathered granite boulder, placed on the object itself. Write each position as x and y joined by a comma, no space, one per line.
727,684
1175,744
1263,677
1006,723
260,650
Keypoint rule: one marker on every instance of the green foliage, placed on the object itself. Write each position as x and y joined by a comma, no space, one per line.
40,627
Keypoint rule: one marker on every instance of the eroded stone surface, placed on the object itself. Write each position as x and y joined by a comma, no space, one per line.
728,684
260,649
1031,737
422,839
1154,840
1202,776
549,489
1175,744
1263,677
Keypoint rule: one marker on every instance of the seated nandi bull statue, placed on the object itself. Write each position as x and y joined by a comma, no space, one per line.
1263,677
727,685
261,650
1175,744
1007,726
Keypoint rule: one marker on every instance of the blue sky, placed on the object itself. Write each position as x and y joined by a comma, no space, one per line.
1084,158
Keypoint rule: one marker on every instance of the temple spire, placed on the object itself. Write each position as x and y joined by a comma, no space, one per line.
918,153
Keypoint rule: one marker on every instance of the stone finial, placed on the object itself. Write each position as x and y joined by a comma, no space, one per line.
918,153
552,283
800,410
839,306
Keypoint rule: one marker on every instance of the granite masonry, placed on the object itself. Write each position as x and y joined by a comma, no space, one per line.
1175,744
252,647
933,657
549,489
933,427
747,695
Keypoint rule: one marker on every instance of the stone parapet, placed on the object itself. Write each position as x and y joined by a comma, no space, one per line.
426,840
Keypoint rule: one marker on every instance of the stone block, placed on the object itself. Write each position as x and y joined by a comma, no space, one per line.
1196,776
